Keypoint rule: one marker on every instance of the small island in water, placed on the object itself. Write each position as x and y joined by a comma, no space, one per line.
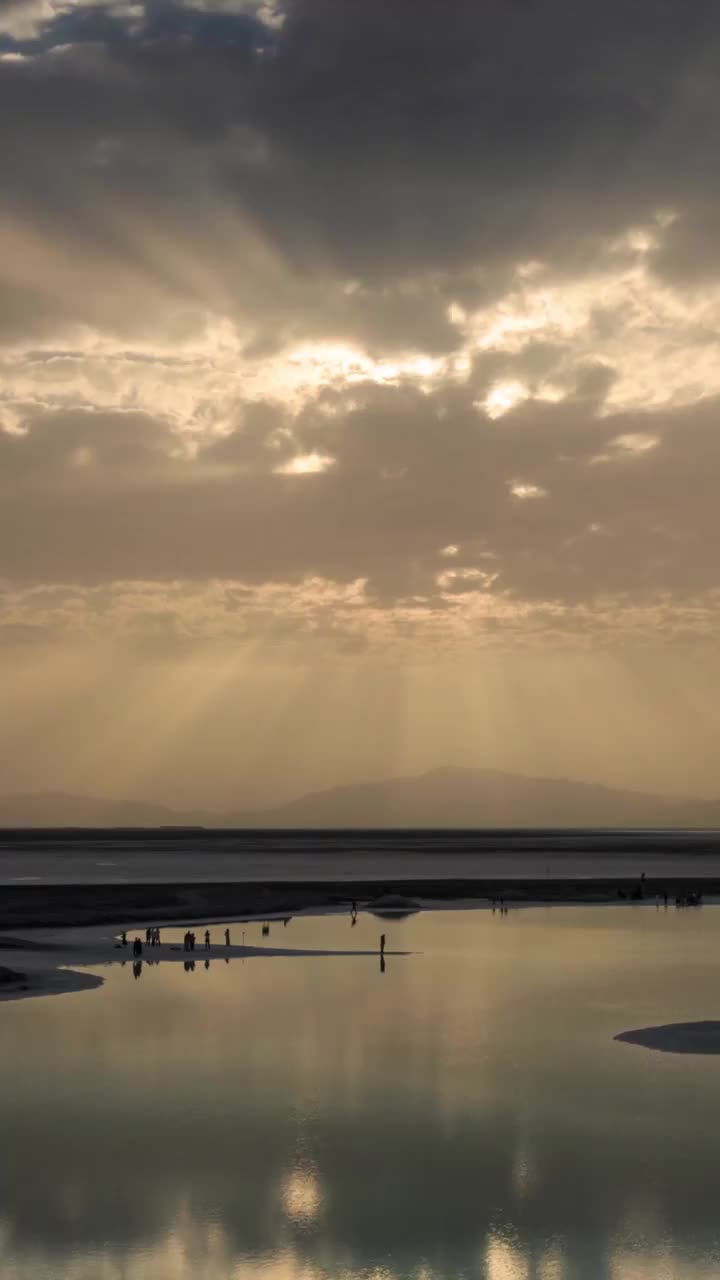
677,1037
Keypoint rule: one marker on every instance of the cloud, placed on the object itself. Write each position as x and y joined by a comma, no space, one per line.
376,493
296,296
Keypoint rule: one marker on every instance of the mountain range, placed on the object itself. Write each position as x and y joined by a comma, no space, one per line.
446,797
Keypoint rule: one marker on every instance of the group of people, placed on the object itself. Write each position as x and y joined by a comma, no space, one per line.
152,939
189,940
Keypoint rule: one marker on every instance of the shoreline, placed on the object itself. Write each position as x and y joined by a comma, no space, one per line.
35,906
75,950
78,925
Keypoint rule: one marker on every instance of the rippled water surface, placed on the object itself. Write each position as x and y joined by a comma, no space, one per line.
466,1112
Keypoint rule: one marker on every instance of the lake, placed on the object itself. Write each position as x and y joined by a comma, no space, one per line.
465,1113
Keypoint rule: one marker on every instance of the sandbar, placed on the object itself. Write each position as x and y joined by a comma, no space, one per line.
676,1037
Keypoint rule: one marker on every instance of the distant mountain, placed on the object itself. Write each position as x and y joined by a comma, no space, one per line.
482,798
58,809
440,798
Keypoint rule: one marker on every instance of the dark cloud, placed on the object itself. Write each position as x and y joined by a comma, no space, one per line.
383,143
347,172
598,508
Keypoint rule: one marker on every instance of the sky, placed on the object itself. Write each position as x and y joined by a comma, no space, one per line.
359,389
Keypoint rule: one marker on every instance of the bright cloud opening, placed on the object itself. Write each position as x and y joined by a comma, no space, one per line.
527,491
503,397
306,464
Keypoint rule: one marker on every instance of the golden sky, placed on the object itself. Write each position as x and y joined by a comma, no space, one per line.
359,384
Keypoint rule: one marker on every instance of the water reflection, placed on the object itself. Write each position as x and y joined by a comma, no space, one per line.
468,1115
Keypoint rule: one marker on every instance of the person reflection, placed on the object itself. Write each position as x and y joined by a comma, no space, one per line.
207,963
382,962
137,968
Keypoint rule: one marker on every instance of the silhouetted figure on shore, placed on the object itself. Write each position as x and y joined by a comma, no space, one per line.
192,941
137,947
382,944
148,935
266,931
207,939
227,937
123,937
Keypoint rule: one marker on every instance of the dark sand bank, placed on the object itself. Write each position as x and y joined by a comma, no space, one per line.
30,906
676,1037
92,946
15,985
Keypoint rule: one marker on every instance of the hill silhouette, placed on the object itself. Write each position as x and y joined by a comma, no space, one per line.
446,797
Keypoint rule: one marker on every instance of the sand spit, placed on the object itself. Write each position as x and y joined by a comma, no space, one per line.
95,948
15,985
677,1037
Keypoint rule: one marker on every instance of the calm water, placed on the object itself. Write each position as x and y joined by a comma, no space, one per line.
464,1113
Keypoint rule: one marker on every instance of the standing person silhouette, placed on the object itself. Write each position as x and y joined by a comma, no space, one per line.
382,944
227,937
207,939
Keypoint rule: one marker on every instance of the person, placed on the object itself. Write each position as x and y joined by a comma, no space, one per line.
123,937
137,968
157,936
382,944
227,937
207,963
137,947
148,934
207,939
192,941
